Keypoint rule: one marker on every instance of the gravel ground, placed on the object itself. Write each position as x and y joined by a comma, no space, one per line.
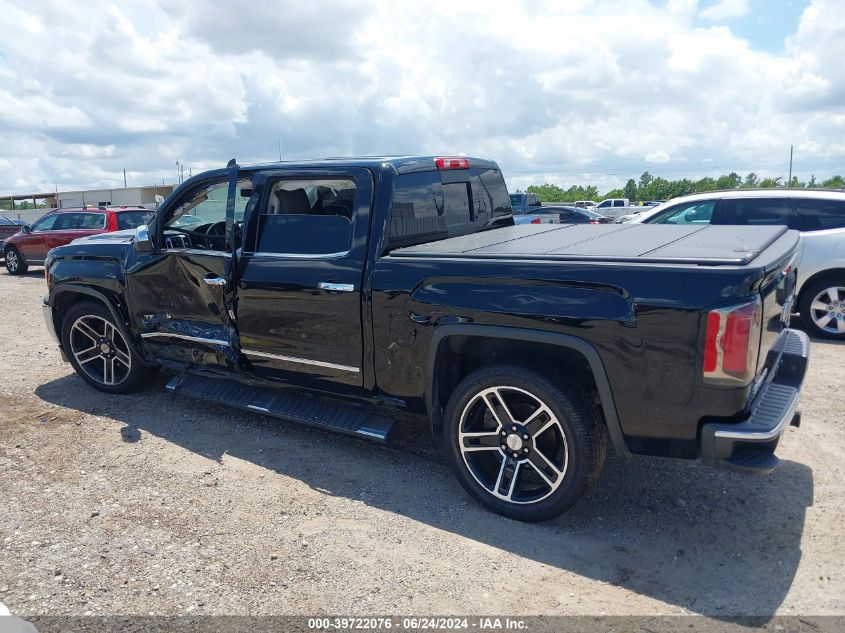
152,504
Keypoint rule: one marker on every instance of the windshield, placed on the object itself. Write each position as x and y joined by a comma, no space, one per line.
132,219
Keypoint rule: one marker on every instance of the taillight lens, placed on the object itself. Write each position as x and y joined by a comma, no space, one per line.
536,221
448,162
594,222
731,344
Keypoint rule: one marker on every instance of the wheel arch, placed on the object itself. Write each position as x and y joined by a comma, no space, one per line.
65,296
832,273
449,342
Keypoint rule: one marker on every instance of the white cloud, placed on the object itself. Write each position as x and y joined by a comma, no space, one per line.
575,92
725,9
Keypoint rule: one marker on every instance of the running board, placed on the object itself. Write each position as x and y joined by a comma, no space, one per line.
357,421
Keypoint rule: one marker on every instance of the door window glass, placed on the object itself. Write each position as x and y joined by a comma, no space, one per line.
816,215
700,212
307,217
199,220
755,211
77,221
46,223
91,221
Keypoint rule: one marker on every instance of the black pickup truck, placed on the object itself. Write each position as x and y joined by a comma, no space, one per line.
338,292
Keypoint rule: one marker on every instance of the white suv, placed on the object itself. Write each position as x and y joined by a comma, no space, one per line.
818,214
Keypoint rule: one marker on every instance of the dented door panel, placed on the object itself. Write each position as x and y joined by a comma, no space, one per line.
180,305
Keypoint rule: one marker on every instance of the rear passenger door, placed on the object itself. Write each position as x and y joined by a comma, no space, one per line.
300,274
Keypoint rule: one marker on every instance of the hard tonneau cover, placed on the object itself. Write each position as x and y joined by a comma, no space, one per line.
636,243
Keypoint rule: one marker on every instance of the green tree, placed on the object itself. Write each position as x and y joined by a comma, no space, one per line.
812,182
751,180
705,184
837,182
547,192
645,179
615,193
769,183
731,181
631,190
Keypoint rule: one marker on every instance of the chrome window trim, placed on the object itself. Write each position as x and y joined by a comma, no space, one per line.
195,339
301,361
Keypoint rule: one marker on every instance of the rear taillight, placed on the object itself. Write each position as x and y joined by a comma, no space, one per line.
731,344
536,221
448,162
594,222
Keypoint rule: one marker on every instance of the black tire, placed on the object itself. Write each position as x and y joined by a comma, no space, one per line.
829,292
573,416
87,326
15,263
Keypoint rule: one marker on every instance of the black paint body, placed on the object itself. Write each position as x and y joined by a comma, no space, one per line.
639,318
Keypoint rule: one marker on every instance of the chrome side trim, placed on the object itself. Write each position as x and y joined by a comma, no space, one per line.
185,337
301,361
266,255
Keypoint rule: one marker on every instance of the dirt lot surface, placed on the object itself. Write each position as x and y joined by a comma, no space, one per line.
155,504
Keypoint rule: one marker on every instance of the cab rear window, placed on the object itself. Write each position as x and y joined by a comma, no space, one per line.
425,209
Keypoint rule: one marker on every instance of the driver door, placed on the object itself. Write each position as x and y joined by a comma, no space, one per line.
180,295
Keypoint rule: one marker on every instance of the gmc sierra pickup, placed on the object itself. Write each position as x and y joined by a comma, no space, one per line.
337,292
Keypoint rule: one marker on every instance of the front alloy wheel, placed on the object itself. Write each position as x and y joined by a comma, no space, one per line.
525,444
14,262
98,350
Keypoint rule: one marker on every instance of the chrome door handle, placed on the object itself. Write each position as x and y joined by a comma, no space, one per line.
332,287
214,281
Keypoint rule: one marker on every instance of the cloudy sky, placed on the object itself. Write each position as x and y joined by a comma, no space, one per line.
564,91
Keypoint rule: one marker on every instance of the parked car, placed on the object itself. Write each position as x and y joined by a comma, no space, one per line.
29,247
586,204
819,215
345,290
524,202
560,215
7,228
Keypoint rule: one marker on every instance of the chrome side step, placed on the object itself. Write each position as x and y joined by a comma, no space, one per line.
357,421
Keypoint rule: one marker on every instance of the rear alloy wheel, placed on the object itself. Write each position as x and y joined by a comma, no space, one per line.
524,445
823,309
99,352
15,264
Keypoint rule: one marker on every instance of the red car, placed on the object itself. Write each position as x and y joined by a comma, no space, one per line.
62,226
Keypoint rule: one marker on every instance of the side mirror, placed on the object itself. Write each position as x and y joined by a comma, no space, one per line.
142,243
26,228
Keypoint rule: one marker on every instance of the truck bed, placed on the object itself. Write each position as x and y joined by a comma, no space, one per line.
635,243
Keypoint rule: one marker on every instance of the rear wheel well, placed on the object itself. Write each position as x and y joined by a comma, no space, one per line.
458,356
